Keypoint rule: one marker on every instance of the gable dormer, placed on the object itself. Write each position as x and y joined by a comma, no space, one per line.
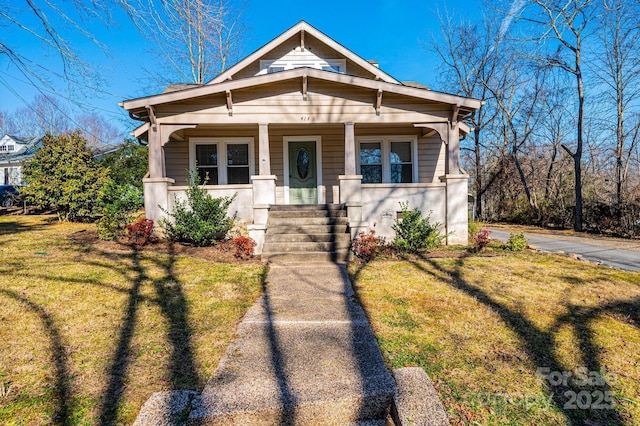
303,46
7,144
302,58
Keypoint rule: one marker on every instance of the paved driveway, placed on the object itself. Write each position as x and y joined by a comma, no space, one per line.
621,254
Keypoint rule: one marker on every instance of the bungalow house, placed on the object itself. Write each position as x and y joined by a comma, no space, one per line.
304,120
13,151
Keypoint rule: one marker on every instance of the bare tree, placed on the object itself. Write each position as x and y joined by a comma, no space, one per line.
469,65
196,36
44,114
517,100
618,68
565,24
200,37
7,125
98,131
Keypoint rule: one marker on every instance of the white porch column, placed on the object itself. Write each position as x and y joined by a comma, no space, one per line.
457,222
351,197
263,150
155,153
156,196
264,190
264,195
350,184
349,150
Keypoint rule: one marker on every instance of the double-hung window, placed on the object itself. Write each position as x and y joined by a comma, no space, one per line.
371,161
388,160
222,161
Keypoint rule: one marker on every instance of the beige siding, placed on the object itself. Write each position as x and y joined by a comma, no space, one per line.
431,160
431,152
176,156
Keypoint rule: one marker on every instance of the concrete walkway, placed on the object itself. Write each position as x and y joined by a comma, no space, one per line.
619,254
305,354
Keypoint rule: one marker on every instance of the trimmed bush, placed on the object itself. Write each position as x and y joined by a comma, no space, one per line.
415,233
201,220
108,226
516,242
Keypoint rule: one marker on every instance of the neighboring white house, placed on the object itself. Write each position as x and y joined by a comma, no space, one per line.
13,151
304,120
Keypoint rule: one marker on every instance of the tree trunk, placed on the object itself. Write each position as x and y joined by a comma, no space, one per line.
577,157
619,148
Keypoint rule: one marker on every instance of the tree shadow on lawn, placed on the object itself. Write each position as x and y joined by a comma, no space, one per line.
169,297
540,345
172,302
13,227
61,390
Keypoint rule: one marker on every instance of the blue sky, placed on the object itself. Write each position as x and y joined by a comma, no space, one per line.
390,32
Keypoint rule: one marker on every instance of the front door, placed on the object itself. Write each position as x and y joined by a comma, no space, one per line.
303,174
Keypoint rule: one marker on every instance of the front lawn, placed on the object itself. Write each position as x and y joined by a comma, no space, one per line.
528,339
89,331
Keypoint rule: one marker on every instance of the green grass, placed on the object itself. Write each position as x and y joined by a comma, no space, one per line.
482,326
89,331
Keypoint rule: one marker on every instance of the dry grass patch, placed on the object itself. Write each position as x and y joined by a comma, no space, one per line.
483,326
87,334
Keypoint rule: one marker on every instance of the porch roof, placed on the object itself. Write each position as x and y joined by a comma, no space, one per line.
139,108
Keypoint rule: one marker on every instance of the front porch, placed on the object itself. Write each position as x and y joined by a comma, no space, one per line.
336,165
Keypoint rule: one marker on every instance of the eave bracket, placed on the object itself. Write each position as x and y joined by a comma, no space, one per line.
304,87
229,103
378,101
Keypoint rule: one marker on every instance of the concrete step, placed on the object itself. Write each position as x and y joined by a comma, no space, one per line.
301,207
307,213
306,229
302,247
338,256
293,221
302,238
328,375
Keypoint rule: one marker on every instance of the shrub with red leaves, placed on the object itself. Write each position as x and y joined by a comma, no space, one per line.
366,245
244,247
141,232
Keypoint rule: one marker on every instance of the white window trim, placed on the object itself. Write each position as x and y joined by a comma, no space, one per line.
222,154
285,143
385,142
